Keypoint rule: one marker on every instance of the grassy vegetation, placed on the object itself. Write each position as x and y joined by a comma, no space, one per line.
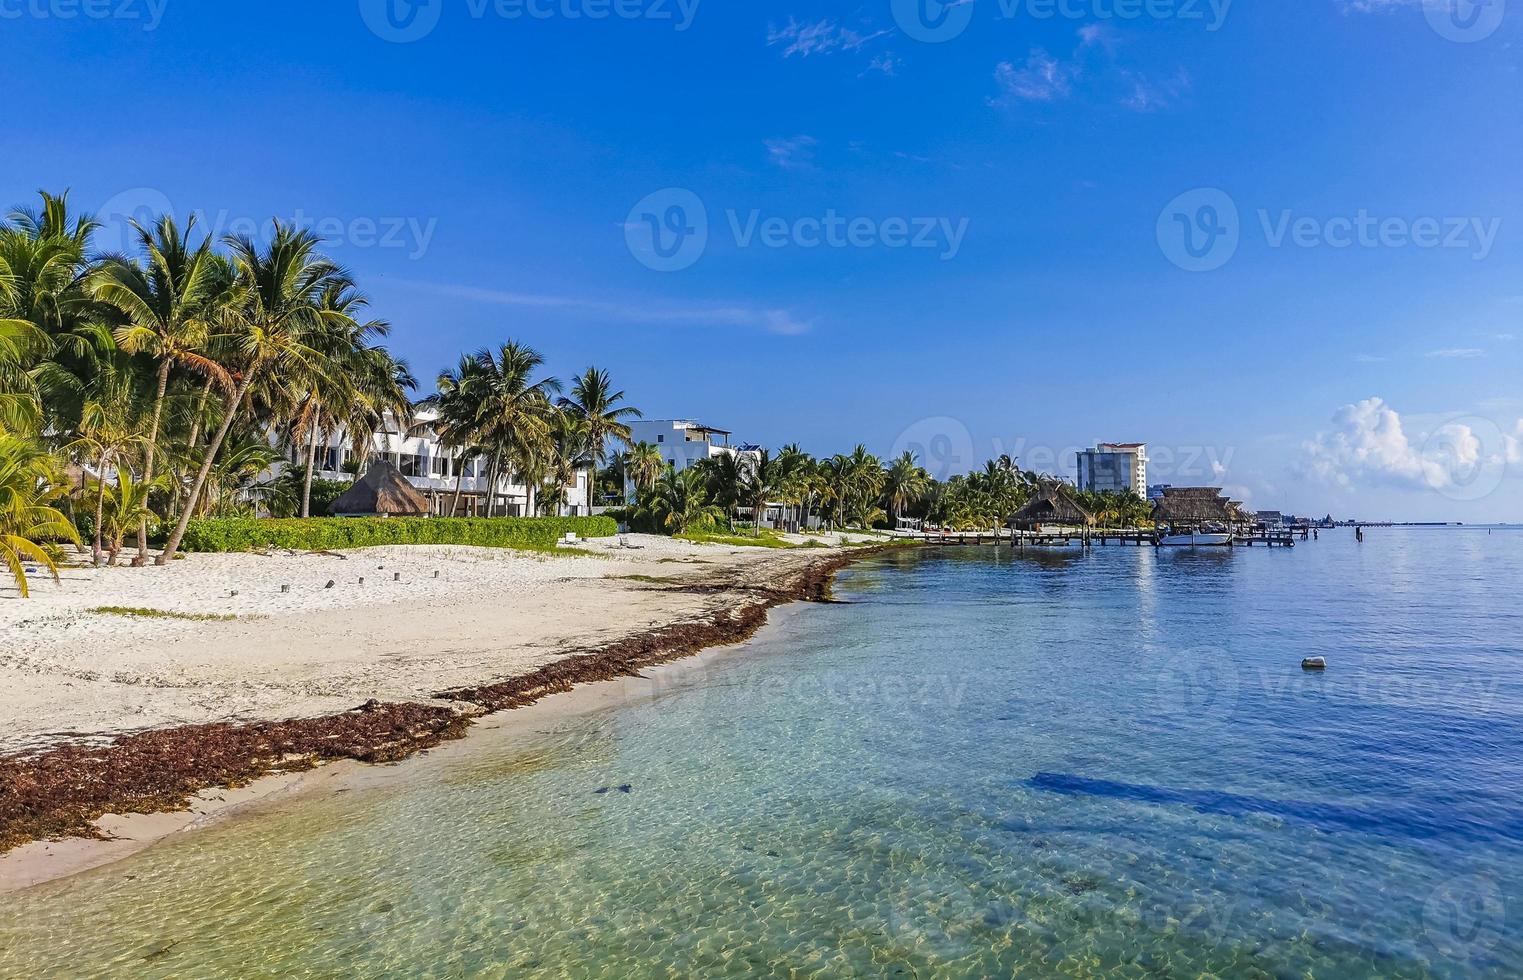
140,613
333,533
767,539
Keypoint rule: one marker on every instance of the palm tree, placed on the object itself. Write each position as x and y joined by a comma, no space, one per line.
594,401
678,501
29,485
106,434
904,483
458,427
643,465
127,506
724,477
169,304
513,412
275,311
762,479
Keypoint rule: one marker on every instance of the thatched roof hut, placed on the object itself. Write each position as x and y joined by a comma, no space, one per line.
382,492
1053,504
1195,505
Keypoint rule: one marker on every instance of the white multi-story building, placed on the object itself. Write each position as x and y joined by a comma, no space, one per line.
434,470
681,443
1115,466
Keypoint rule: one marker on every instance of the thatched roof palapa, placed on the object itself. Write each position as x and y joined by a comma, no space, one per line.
383,491
1053,504
1195,505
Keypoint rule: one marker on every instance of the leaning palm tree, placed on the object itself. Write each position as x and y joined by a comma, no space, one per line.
275,311
29,524
596,404
169,304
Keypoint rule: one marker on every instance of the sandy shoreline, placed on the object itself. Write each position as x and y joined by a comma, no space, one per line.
499,629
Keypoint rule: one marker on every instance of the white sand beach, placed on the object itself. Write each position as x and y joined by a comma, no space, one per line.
425,619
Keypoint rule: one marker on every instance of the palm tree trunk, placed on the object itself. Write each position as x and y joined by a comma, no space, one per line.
149,460
454,507
173,544
100,507
195,423
306,482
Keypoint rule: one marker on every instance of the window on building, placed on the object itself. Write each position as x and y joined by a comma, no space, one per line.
660,438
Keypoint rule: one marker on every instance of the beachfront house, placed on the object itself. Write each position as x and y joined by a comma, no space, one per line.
431,469
681,443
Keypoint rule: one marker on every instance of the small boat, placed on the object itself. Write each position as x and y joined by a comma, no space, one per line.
1196,536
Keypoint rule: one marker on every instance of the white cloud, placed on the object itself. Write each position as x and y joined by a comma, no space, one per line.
781,321
1042,78
1150,95
793,153
818,37
885,63
1369,359
1369,446
1456,352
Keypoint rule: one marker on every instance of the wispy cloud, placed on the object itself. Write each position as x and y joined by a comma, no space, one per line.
774,320
818,37
793,153
1042,78
884,63
1150,95
1369,359
1505,338
1456,352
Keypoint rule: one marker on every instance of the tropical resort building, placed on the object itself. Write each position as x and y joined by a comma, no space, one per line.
1114,467
433,470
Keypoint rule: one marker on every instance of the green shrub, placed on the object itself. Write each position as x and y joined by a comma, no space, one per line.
338,533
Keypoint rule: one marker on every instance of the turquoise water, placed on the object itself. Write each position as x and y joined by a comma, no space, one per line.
1102,764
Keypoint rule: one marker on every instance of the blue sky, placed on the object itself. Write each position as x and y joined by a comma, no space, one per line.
967,237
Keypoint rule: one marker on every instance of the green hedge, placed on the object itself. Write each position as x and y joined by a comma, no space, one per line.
336,533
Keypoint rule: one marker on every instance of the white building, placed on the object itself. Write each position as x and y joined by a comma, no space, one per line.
681,443
434,470
1115,466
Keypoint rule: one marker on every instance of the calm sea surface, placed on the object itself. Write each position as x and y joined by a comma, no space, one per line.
986,764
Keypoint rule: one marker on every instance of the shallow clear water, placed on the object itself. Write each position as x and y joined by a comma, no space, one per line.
984,765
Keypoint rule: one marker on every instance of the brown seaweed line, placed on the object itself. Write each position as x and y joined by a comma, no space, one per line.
63,791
